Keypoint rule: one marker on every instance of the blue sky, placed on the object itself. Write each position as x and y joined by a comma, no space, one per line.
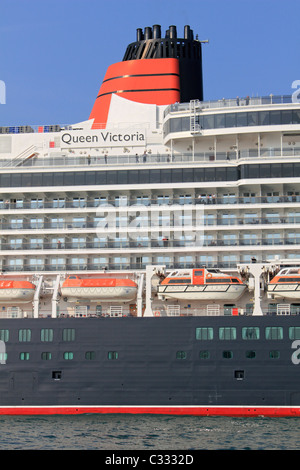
54,54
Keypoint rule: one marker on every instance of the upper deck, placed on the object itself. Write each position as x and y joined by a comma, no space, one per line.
181,134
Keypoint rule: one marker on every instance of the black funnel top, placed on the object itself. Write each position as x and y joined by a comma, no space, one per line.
150,45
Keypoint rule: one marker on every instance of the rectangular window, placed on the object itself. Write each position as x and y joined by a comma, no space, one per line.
239,374
250,354
46,356
79,178
250,332
46,334
227,333
253,171
294,332
122,177
230,120
3,357
154,176
56,374
274,332
112,355
111,177
24,335
204,354
208,122
4,335
58,179
275,117
69,334
275,170
90,355
287,170
69,179
241,119
286,117
264,118
296,116
68,356
24,356
227,354
253,119
274,354
204,333
220,120
181,355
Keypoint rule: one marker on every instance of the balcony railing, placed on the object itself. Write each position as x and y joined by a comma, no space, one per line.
230,103
123,201
149,159
153,244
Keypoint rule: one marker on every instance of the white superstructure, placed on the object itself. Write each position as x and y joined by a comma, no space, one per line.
212,184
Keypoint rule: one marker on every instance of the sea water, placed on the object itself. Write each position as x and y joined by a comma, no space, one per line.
148,433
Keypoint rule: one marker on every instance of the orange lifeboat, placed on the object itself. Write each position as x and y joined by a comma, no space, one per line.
286,284
201,284
16,291
99,289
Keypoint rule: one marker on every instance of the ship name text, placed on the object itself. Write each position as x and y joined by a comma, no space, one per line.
103,137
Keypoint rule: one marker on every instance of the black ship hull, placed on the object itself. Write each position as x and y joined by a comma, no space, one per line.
184,365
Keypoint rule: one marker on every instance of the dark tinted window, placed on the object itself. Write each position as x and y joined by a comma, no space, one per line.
274,170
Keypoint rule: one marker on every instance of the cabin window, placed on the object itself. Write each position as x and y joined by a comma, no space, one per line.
250,354
227,354
4,335
3,357
204,354
294,332
24,335
204,333
274,332
250,332
24,356
47,334
90,355
295,309
181,355
198,273
227,333
69,334
274,354
46,356
68,355
112,355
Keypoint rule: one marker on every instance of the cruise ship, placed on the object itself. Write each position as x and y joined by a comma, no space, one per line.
150,254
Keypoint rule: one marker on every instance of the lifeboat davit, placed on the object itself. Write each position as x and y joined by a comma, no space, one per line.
286,284
16,291
201,284
99,289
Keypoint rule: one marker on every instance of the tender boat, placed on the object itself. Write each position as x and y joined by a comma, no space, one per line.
286,284
16,291
201,284
99,289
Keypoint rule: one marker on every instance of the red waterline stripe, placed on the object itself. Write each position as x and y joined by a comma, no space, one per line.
238,411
